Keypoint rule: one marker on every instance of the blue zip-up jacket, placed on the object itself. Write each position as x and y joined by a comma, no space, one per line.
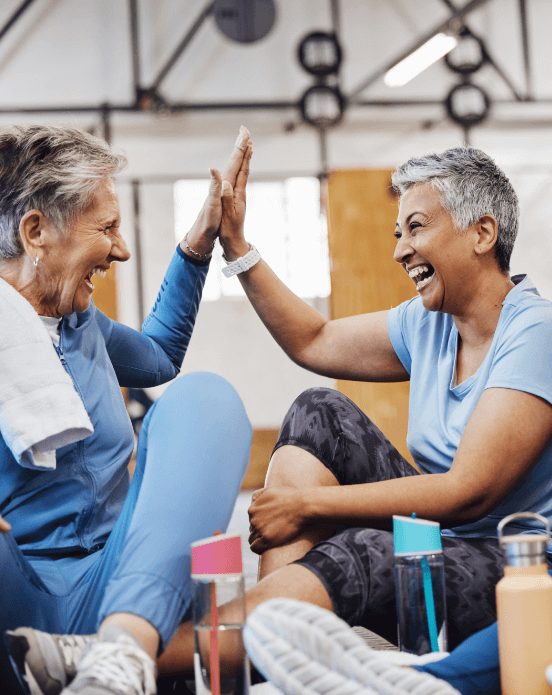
73,508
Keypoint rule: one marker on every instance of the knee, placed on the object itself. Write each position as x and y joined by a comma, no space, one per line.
203,396
320,400
205,387
315,396
318,410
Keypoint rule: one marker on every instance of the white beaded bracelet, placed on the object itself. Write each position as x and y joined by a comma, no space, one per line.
243,263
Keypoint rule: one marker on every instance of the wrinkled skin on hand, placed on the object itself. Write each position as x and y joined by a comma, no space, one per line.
275,517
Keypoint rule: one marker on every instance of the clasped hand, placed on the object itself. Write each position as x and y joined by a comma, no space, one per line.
276,516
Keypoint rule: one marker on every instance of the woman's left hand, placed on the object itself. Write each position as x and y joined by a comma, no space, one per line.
275,517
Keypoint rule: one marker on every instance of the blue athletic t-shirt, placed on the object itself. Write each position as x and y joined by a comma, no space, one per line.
520,357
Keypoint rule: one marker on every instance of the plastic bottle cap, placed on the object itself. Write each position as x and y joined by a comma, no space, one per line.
217,555
416,536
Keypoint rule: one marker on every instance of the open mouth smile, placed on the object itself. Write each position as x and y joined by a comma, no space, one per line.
422,275
100,272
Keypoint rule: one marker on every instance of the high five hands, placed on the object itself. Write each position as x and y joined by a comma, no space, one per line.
223,211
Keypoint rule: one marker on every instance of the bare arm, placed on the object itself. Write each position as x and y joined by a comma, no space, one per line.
357,347
484,471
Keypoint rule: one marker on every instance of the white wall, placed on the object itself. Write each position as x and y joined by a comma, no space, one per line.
228,338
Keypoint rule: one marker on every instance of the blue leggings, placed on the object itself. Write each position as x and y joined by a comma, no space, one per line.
472,668
192,453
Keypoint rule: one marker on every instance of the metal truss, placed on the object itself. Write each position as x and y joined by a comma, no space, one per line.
148,98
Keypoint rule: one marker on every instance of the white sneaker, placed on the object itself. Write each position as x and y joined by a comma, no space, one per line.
44,663
305,650
114,665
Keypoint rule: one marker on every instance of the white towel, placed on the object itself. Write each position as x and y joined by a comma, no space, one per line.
40,409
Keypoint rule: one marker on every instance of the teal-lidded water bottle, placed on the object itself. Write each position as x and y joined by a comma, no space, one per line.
419,585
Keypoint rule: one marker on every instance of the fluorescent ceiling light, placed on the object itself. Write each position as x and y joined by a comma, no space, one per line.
420,59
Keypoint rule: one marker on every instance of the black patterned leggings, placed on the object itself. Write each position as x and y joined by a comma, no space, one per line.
356,564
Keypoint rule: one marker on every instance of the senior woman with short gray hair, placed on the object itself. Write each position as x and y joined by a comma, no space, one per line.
78,549
475,345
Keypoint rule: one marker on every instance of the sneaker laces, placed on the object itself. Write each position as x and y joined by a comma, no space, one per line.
123,667
71,648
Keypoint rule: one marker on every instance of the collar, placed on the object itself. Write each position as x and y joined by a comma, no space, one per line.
522,283
81,319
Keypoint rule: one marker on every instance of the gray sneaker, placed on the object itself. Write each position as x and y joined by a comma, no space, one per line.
45,663
114,664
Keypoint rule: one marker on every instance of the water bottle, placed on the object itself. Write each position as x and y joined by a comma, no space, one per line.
524,610
419,585
220,663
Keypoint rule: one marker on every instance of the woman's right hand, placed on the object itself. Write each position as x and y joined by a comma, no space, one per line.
232,237
4,526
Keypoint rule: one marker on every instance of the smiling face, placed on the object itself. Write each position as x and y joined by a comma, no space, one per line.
67,264
434,253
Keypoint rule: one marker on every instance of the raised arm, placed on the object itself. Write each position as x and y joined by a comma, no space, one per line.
351,348
154,356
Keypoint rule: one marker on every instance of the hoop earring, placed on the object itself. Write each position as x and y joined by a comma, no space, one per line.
36,261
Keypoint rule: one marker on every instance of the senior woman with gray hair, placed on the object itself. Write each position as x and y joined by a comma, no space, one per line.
78,549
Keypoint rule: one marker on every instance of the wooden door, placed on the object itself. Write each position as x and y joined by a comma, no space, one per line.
362,211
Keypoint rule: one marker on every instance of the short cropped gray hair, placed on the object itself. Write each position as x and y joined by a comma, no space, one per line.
471,185
54,170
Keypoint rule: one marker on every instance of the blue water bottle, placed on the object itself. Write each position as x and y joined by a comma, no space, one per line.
419,585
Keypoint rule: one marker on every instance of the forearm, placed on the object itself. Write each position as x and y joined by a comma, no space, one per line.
171,321
433,496
294,324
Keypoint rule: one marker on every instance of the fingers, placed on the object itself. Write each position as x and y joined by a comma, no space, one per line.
227,200
257,547
243,175
257,543
257,493
215,184
226,190
238,153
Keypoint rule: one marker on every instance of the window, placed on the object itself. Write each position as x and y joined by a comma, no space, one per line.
283,221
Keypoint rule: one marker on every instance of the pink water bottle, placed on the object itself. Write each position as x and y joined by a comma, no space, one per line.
220,661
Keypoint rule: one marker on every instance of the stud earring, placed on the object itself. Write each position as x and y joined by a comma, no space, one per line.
35,261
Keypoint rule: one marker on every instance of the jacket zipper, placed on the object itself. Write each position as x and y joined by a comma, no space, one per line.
81,455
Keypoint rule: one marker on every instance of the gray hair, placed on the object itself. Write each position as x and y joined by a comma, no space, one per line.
54,170
471,185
